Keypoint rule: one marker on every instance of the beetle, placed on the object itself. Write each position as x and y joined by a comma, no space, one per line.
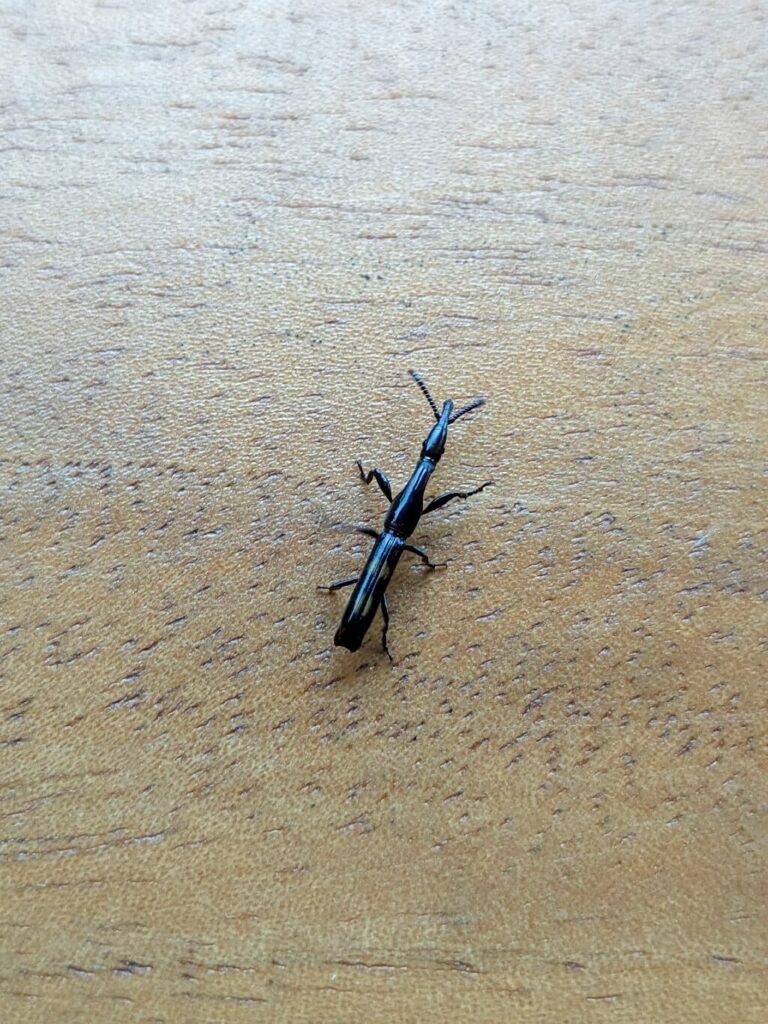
405,511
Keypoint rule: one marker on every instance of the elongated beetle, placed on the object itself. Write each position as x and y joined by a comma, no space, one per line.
405,511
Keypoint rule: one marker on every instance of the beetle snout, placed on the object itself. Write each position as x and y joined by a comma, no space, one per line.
434,446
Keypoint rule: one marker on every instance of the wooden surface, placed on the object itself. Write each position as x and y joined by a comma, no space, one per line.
228,229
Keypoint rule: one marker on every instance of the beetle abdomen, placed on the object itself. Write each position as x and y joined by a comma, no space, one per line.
366,597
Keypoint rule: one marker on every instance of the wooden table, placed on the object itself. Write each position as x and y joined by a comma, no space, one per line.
228,230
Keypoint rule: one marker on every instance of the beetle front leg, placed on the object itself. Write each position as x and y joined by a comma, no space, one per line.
443,499
381,479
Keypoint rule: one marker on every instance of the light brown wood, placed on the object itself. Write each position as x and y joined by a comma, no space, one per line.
228,231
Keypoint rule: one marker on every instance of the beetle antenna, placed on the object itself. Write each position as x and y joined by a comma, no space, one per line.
425,391
467,408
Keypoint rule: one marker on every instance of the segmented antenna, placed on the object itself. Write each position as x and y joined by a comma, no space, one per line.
467,408
425,392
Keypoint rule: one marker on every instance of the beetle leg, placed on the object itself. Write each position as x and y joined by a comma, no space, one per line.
443,499
385,613
381,479
422,555
368,532
338,584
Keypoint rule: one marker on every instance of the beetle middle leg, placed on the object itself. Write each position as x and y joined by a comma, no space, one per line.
338,584
380,477
422,555
443,499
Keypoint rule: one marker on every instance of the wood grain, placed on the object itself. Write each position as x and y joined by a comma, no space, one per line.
228,229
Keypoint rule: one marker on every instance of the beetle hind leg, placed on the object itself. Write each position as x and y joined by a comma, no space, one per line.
385,613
